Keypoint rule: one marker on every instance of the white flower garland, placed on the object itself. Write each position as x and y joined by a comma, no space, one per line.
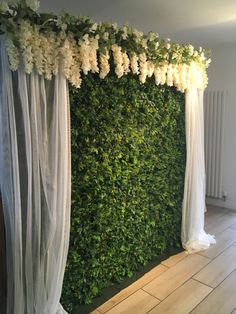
45,51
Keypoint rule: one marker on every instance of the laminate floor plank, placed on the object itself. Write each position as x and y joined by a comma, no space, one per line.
183,299
216,271
221,300
138,303
123,294
175,276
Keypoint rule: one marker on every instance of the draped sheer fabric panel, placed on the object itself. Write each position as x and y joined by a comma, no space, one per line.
35,181
194,238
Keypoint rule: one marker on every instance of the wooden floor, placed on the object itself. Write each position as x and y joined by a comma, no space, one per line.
202,283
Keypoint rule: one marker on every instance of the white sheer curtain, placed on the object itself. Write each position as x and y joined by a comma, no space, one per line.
194,238
35,185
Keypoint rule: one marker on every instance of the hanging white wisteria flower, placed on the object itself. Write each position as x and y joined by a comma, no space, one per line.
175,74
118,60
67,54
150,68
157,75
183,73
71,61
104,64
93,43
126,63
169,75
134,63
39,41
143,67
84,54
26,45
47,42
164,69
13,54
51,58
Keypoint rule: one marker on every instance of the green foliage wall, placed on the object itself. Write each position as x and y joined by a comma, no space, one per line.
128,163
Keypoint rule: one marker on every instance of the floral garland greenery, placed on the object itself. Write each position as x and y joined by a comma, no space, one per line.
46,42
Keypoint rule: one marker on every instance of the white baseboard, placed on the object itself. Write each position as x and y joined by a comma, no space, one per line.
221,203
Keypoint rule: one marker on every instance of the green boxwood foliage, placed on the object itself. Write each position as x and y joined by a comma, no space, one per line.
128,163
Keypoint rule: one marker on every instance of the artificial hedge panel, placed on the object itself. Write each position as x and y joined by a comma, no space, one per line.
128,163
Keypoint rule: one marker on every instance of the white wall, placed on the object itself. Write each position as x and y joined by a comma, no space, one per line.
222,75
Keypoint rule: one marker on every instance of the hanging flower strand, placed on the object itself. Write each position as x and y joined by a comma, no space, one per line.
43,41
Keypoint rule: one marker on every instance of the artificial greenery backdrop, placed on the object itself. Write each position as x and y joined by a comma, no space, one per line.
128,164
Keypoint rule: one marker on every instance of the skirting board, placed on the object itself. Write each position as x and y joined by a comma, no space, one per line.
221,203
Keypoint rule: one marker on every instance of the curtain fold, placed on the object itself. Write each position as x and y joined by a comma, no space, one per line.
35,179
194,238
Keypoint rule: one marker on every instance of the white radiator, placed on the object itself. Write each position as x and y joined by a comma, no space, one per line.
214,108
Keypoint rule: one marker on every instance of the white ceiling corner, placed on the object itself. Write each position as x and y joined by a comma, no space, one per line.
206,23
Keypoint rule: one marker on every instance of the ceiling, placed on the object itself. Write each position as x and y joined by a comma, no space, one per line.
207,23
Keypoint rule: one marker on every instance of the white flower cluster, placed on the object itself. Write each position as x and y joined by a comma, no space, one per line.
32,4
118,60
134,64
93,43
88,54
126,62
47,51
84,54
104,64
36,50
143,67
13,54
71,61
26,41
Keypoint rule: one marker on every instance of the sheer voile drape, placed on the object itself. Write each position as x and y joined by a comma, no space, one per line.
35,184
194,238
